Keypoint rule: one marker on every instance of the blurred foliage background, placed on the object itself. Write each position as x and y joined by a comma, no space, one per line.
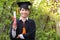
45,13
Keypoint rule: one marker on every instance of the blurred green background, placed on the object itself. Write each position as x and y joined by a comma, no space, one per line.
45,13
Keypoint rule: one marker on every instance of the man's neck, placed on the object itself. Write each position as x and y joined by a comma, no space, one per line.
23,19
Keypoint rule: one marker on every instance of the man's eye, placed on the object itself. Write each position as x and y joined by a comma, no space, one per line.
22,10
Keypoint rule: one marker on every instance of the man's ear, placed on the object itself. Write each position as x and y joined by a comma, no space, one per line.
19,10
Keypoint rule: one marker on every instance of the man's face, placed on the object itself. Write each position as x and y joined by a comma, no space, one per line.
24,12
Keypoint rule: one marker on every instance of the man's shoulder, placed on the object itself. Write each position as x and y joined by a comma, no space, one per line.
30,20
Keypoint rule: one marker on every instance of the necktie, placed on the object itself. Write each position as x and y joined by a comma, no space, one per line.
24,29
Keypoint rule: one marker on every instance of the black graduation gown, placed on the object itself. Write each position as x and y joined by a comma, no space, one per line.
30,29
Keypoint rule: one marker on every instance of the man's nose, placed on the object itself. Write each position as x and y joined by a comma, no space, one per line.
24,11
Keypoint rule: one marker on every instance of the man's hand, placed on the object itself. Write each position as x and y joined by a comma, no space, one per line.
14,26
20,36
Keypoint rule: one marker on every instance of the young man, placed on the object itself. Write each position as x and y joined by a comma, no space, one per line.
25,29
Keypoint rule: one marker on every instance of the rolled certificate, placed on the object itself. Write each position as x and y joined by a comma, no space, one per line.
14,23
14,14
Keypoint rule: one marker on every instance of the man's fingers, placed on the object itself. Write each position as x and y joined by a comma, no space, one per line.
18,36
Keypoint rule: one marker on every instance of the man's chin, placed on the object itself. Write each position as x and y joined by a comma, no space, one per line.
24,16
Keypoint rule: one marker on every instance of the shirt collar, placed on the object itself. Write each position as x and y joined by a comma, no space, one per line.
21,18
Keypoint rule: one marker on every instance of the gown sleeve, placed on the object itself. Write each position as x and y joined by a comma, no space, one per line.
12,32
32,30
